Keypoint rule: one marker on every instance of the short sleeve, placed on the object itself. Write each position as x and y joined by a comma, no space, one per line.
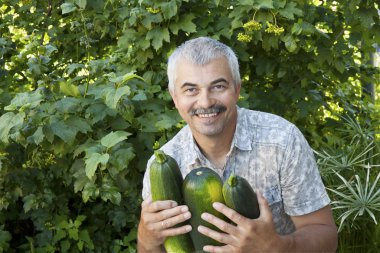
302,188
146,181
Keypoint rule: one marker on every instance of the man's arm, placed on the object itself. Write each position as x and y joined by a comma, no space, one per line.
315,232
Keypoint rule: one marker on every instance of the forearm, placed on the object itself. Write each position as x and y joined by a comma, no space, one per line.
142,249
312,238
143,244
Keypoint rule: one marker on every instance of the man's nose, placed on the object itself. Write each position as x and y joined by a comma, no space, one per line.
205,99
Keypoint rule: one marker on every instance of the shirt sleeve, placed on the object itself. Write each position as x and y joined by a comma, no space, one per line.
146,181
302,188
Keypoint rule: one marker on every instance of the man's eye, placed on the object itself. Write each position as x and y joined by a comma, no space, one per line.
218,87
191,91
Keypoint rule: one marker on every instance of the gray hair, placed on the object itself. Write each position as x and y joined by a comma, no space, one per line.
201,51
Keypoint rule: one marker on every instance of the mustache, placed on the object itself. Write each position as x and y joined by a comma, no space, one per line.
212,109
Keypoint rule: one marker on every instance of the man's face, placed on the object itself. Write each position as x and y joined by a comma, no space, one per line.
206,97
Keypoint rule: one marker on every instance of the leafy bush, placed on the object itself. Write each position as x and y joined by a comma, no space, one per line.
83,101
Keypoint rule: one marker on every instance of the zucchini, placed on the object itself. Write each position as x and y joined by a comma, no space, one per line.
239,195
166,184
202,187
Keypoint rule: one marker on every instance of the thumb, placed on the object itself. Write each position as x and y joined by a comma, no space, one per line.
265,211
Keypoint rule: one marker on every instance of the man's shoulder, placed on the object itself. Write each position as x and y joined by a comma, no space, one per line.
264,120
265,128
180,141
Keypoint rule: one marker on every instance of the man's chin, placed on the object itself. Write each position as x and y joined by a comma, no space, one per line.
209,131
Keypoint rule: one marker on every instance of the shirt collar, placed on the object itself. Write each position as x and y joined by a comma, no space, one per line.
244,132
242,139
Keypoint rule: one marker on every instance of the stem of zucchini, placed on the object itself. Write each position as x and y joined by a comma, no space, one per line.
160,156
232,180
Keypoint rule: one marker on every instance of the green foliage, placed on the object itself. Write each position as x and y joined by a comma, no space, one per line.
83,99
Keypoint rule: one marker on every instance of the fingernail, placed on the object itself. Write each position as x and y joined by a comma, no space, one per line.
201,229
205,216
216,204
188,228
184,209
174,204
187,215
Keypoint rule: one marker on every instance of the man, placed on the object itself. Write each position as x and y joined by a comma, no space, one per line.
267,150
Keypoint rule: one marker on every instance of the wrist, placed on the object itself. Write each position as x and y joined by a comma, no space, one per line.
145,245
146,248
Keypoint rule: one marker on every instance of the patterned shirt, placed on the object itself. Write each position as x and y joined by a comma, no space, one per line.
271,154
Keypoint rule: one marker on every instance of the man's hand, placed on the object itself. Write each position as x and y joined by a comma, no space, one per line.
157,222
248,235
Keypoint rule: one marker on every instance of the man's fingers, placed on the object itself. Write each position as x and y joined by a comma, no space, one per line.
173,217
219,223
218,249
218,236
230,213
156,206
146,202
176,231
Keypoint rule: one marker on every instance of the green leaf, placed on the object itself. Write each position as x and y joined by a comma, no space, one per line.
264,4
98,111
71,67
113,138
93,161
140,96
122,157
119,80
68,7
290,10
246,2
158,35
30,202
81,3
68,105
81,180
37,137
89,191
185,24
297,29
339,65
366,18
59,235
166,122
73,233
114,96
169,9
60,129
290,43
85,237
8,121
152,18
65,246
110,192
78,124
69,89
26,100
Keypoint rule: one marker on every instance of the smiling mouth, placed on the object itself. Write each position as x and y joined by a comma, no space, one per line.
209,112
207,115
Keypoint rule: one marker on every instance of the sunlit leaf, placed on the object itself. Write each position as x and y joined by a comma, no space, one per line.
113,138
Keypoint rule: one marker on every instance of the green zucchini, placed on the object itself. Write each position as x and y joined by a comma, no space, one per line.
166,184
202,187
239,195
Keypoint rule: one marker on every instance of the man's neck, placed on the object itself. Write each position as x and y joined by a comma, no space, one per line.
215,149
